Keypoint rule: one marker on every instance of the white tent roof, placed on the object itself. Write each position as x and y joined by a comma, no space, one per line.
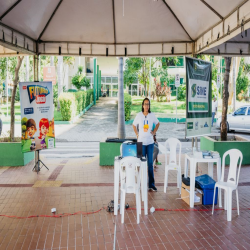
143,27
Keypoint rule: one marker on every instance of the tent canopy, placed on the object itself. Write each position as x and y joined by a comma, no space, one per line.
120,27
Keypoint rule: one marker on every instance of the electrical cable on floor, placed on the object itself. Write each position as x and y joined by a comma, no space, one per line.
105,208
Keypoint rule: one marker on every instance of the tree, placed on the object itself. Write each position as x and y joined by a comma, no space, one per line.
59,74
79,80
15,81
223,129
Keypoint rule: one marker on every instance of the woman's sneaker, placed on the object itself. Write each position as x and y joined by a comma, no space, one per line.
153,189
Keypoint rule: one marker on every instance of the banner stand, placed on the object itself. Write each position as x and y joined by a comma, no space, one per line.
36,108
38,163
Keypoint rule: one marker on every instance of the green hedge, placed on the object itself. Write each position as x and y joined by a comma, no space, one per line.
68,106
89,97
74,103
127,106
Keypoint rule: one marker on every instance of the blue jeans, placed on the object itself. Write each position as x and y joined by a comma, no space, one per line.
147,151
213,115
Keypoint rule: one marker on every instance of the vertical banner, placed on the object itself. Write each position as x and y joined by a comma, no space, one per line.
37,115
49,74
198,97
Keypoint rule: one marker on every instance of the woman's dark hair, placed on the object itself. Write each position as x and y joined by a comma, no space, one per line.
142,109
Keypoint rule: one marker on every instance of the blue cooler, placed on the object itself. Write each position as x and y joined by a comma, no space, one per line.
129,149
207,185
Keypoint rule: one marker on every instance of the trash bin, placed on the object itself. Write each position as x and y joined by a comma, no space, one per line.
206,183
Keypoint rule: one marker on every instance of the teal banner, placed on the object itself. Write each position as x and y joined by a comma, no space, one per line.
198,97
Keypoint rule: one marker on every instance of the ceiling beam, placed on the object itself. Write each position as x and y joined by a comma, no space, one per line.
102,43
211,8
47,24
177,19
113,9
16,48
11,8
16,31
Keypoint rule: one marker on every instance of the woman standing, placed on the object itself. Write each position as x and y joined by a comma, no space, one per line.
145,121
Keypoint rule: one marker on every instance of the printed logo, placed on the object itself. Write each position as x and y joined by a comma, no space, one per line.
193,88
206,125
38,93
40,99
24,87
190,125
196,125
199,91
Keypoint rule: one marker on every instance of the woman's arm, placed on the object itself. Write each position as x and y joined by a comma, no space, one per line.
136,132
156,128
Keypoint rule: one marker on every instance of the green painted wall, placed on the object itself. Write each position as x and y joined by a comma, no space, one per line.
108,152
207,143
11,155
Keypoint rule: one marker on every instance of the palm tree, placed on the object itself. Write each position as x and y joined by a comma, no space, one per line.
121,113
60,78
223,129
12,108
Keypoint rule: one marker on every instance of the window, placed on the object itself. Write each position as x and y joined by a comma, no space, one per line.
248,111
241,111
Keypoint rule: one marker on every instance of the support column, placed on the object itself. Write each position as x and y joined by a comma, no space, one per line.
100,77
121,111
94,85
27,69
97,82
35,70
35,67
234,84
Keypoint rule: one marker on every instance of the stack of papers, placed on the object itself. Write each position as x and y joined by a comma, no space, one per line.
206,154
215,154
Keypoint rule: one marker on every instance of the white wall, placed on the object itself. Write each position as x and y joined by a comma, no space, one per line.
108,65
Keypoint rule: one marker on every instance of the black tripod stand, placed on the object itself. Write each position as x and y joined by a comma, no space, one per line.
38,163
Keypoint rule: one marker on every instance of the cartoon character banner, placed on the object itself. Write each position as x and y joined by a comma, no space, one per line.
198,97
37,114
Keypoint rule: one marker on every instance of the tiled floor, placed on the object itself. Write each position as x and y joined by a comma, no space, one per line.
81,186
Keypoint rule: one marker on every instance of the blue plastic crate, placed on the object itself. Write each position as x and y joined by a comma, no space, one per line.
129,149
207,185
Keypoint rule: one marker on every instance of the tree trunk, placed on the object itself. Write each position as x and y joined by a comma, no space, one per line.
60,79
121,111
12,107
223,129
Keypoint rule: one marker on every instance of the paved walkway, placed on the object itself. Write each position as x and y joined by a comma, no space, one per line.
100,122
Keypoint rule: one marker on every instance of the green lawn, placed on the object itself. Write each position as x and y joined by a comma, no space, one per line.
159,107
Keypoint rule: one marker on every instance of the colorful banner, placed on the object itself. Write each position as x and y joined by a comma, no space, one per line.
37,115
198,97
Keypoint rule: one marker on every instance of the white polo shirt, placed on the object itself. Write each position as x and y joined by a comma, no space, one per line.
145,127
214,106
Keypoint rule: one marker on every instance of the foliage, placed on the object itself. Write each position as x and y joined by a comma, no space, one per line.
68,106
168,61
162,90
55,94
132,67
214,89
80,80
89,97
242,81
162,73
182,92
127,106
79,101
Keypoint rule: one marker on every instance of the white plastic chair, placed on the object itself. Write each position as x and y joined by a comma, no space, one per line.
232,181
171,149
130,172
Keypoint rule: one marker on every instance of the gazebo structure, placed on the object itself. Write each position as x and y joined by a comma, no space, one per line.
124,28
